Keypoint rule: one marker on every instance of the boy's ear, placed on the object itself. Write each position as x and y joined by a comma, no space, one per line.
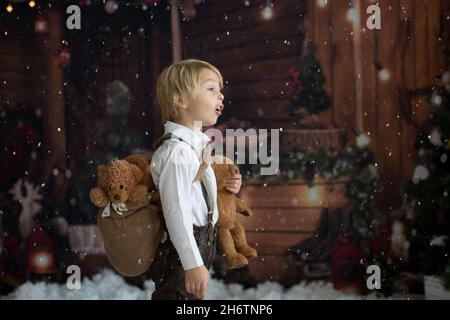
179,101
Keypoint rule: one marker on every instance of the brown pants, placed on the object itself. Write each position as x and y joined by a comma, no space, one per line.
167,271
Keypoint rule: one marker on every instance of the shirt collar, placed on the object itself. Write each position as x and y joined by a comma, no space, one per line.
198,140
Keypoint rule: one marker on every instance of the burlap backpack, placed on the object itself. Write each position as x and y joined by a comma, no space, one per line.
131,238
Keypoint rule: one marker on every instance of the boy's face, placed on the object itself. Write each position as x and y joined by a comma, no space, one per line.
207,105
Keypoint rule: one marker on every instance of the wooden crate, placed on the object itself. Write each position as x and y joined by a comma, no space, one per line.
284,215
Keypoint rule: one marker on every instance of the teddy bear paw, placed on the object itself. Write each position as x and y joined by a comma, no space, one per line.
248,251
236,261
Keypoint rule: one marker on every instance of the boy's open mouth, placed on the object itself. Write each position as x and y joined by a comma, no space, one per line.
219,109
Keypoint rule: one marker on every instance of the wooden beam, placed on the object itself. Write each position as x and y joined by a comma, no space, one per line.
54,110
388,105
369,82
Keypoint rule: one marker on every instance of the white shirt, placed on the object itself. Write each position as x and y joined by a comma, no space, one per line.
173,168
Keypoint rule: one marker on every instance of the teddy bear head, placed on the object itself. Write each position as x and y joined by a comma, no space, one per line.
224,168
118,178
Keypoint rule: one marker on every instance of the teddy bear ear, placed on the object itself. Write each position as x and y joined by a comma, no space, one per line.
137,172
100,170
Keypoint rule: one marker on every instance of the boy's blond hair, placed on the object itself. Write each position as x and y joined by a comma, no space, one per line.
180,79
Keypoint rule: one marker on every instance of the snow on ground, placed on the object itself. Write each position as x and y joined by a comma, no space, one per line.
108,285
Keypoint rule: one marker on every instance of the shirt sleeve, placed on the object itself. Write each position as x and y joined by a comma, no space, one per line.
175,186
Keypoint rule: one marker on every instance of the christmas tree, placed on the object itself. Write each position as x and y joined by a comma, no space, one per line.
308,96
428,191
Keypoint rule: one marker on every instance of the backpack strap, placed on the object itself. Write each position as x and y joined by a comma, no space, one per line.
161,140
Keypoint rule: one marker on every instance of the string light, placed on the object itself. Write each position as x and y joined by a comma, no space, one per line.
352,14
267,12
10,8
313,194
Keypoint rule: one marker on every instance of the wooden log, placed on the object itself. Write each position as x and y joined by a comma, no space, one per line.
435,52
295,196
257,51
421,108
407,49
312,138
270,89
343,70
273,268
245,17
266,109
268,69
54,111
388,109
156,66
273,29
276,243
282,220
321,27
369,76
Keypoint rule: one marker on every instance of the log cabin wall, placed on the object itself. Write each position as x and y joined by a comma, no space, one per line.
254,56
409,47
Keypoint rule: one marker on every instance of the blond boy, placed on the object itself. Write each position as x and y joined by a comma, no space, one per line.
188,91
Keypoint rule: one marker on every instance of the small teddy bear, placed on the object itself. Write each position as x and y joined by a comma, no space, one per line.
119,182
231,234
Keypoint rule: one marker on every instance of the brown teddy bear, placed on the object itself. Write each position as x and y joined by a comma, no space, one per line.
119,182
231,234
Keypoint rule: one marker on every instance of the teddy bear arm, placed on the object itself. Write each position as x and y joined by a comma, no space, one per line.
98,197
243,208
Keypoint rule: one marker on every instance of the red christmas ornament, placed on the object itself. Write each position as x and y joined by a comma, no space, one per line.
41,25
347,269
64,57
